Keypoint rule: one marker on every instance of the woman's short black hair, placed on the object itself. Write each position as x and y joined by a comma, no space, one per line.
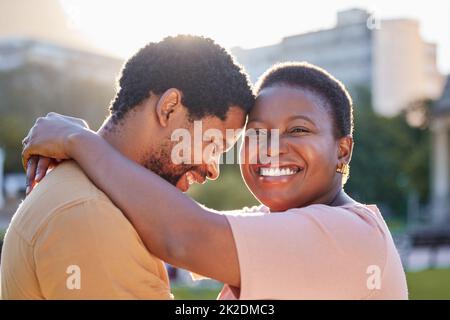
310,77
206,74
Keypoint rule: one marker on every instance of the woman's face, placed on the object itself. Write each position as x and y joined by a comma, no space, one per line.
308,152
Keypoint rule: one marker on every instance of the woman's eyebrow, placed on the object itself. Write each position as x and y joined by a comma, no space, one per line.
306,118
291,118
255,120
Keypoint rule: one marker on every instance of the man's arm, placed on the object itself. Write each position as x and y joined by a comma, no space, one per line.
88,250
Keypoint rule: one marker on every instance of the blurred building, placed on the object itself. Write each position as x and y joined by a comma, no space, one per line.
440,127
38,77
387,56
57,78
60,66
18,52
43,20
404,67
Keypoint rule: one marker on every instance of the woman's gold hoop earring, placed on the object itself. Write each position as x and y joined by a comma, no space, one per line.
343,168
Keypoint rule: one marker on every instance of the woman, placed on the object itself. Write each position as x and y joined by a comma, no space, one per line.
308,240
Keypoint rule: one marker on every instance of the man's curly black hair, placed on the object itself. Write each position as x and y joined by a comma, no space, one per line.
310,77
206,74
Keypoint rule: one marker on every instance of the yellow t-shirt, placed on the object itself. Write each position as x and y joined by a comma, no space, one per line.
67,240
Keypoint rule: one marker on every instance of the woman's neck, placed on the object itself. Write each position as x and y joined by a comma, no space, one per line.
341,199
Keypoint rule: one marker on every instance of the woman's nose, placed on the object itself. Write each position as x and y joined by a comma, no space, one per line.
276,145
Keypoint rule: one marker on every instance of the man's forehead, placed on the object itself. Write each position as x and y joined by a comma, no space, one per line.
236,113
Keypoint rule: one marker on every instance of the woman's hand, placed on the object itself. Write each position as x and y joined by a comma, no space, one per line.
37,168
46,144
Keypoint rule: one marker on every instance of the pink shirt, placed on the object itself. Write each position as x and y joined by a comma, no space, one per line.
316,252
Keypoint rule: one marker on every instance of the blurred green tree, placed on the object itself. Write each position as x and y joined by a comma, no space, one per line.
390,159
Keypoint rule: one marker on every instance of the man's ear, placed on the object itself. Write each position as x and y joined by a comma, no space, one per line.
345,149
168,103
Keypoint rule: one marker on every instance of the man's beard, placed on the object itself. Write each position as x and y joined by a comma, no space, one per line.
161,164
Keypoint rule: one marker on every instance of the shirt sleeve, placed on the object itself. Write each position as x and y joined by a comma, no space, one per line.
317,252
89,250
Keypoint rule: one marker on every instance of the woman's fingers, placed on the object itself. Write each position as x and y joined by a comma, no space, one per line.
48,139
37,168
27,156
42,167
31,166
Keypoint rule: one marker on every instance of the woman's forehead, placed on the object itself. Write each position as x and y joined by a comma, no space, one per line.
280,102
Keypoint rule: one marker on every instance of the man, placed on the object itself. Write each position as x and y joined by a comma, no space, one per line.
68,240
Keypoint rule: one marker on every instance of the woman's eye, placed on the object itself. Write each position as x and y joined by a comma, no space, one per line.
256,132
298,130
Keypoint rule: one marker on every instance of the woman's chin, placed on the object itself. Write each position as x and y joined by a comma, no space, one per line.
277,203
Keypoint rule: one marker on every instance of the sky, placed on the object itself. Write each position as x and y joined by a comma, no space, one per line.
122,27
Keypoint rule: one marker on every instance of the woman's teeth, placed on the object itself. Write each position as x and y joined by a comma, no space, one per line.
276,172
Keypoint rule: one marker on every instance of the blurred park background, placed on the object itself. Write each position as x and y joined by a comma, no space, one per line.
394,57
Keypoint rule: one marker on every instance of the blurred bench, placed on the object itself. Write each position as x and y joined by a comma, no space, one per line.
432,238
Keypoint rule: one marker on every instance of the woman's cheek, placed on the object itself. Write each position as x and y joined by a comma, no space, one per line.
249,152
320,158
314,151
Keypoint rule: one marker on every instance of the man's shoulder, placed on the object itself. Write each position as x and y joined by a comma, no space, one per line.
69,182
65,189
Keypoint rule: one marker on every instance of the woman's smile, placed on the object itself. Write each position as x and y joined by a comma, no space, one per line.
276,174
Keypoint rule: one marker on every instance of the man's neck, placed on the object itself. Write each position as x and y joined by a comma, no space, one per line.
119,137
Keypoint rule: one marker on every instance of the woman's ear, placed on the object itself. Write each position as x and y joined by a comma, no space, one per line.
345,149
168,103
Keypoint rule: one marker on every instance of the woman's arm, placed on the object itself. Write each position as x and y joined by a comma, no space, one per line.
172,226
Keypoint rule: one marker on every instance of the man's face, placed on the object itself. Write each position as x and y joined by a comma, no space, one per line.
203,143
